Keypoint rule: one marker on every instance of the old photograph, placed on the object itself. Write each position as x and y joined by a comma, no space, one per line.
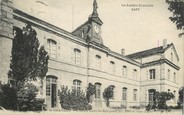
92,57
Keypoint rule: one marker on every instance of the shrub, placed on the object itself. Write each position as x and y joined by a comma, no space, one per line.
90,91
162,98
73,100
8,98
180,98
135,107
27,100
175,107
108,94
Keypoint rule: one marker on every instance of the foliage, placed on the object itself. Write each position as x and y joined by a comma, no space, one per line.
108,94
26,97
8,97
28,61
135,107
177,6
73,100
162,98
90,91
180,99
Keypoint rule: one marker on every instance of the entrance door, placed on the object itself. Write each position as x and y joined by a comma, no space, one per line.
51,91
53,96
151,96
124,96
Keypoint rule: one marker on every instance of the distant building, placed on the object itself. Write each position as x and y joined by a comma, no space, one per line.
80,57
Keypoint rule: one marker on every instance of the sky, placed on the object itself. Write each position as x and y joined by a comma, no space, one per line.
123,28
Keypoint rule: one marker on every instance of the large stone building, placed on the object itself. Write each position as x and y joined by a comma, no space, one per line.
80,57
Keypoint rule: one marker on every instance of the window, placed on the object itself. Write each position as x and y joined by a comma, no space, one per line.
77,58
98,90
174,77
135,74
135,94
124,71
124,94
112,67
98,62
168,74
77,86
49,84
52,48
48,89
152,73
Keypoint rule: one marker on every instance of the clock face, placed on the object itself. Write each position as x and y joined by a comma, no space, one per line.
96,29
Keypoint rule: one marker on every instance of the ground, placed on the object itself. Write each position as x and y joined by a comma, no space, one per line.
91,113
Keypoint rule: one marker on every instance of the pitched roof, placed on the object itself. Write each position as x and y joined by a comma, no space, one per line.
148,52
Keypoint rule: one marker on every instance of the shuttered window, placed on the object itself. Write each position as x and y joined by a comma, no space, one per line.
77,56
52,48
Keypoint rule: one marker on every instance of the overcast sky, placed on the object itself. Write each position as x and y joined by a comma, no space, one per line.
123,28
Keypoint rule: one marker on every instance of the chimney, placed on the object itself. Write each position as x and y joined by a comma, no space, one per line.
164,43
123,52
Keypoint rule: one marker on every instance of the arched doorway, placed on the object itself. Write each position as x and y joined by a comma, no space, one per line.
51,91
98,101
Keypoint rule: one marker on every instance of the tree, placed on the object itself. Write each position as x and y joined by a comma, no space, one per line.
108,94
28,63
180,99
24,55
161,98
90,91
177,7
42,64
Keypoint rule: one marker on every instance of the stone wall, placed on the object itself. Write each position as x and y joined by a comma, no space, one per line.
6,36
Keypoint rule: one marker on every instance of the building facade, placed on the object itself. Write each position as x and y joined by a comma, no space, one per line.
80,57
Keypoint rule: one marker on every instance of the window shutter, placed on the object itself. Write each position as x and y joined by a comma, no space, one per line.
146,95
147,74
157,73
81,58
72,55
58,51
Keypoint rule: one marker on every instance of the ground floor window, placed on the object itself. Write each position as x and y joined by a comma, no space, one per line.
124,93
77,86
98,90
135,94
